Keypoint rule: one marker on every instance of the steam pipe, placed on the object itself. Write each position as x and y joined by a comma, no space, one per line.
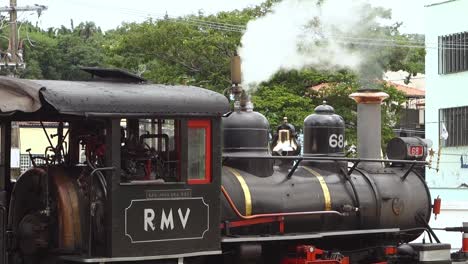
238,213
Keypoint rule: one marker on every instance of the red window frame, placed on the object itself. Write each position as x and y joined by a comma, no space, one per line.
206,124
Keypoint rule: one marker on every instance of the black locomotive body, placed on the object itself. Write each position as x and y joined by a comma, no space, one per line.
320,195
157,174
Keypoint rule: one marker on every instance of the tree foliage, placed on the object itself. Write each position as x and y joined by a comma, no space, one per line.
179,51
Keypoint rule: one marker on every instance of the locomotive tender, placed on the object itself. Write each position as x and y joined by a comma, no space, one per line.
167,174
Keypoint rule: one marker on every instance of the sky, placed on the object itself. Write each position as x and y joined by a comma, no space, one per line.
109,14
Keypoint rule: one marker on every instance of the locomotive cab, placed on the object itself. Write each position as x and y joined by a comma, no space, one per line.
132,172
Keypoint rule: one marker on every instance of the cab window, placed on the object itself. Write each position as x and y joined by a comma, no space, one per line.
199,152
150,150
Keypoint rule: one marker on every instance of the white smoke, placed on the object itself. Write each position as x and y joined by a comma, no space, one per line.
297,34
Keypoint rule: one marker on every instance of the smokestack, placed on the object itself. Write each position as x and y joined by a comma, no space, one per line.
242,99
369,130
236,75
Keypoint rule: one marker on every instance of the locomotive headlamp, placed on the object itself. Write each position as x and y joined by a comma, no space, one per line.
408,148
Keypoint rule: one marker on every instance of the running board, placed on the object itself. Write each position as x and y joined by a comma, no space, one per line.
302,236
84,259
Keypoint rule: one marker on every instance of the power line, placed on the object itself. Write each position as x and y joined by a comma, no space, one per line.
14,56
342,39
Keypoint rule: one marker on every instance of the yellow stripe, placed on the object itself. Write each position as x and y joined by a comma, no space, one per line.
323,184
245,189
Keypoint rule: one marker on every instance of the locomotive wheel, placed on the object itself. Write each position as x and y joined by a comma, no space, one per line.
38,228
68,211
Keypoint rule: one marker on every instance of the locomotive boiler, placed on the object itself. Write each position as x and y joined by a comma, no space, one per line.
321,191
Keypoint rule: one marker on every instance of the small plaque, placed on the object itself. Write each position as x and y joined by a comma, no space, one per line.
157,194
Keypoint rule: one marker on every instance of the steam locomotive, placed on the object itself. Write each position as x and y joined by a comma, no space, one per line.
148,173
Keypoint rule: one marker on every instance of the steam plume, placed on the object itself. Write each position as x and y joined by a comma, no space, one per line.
298,34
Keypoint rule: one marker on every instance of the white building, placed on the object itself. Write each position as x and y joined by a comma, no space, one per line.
447,105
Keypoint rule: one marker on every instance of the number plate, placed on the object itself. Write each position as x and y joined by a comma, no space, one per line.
416,151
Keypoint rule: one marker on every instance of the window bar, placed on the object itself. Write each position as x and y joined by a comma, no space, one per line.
444,41
458,115
454,49
462,51
462,121
463,124
462,48
443,54
449,54
449,126
458,46
455,124
455,52
452,52
460,128
455,46
465,58
465,129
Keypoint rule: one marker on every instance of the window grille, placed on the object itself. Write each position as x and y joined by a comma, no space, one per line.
455,121
453,53
25,161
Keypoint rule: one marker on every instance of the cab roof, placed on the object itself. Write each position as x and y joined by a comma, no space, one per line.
108,99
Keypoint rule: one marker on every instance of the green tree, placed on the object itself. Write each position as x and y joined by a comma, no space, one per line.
337,95
58,53
277,101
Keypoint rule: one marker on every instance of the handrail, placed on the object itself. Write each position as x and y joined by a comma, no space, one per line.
322,158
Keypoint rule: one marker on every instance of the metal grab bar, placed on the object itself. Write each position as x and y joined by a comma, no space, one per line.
306,158
91,192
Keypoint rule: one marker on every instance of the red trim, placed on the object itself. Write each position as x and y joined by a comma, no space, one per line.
464,244
254,221
281,225
307,254
148,166
390,250
178,148
206,124
436,206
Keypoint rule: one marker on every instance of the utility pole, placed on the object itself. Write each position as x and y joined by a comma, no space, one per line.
13,45
14,56
13,59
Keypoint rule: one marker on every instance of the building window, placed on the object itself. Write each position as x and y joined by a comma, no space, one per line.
453,53
199,152
454,126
